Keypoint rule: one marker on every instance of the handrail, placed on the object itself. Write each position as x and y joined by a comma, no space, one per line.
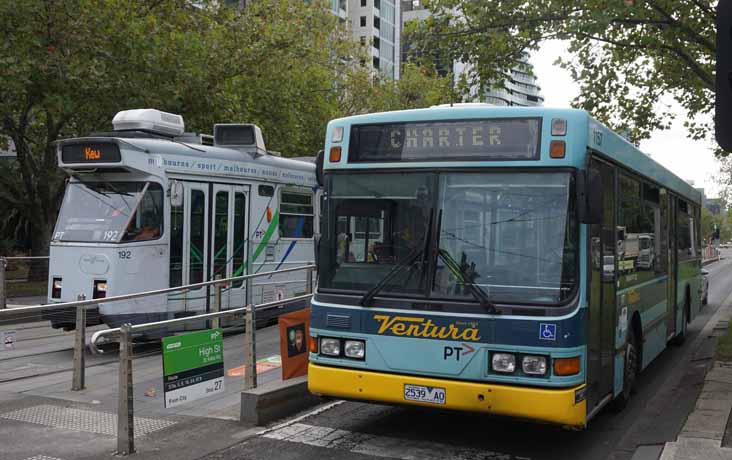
22,257
146,326
91,302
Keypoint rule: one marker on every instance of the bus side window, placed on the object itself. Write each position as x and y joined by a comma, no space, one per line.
296,213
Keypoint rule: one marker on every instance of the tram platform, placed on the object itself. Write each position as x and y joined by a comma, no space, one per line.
41,417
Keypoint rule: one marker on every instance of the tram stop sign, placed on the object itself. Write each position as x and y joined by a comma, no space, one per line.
193,366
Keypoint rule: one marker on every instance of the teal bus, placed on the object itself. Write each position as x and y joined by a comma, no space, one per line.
524,262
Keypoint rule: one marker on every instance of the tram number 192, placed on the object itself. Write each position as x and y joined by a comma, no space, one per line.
125,254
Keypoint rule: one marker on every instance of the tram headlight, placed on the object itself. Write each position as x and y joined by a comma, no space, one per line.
504,363
100,289
56,288
533,365
355,349
330,346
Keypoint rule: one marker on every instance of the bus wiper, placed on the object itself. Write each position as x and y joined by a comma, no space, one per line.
460,271
407,262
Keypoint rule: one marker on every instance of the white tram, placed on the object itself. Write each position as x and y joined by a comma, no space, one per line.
149,206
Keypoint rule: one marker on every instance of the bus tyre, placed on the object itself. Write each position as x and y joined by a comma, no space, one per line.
630,372
681,335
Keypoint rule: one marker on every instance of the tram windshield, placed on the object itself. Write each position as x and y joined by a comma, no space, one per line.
110,212
510,235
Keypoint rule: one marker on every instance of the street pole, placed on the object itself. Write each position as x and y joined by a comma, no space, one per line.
216,322
3,265
125,403
250,352
79,346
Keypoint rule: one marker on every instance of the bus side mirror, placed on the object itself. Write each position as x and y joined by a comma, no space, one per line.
176,194
319,168
589,197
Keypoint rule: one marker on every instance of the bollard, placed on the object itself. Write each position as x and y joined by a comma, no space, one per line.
79,346
250,349
125,407
249,291
309,281
216,322
3,265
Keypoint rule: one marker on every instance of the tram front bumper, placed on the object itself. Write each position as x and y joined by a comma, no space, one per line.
547,405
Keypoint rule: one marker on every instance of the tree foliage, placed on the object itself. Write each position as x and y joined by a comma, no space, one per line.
67,66
625,54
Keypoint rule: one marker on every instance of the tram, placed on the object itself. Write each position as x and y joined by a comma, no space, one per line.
149,206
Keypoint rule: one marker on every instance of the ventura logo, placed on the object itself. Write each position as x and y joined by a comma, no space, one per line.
411,326
173,346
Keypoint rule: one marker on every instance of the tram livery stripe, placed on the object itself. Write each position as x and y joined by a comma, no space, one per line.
379,446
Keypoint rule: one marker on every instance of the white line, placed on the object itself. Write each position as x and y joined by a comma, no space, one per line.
312,413
378,446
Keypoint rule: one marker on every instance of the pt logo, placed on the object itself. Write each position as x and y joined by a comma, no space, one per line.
456,352
547,331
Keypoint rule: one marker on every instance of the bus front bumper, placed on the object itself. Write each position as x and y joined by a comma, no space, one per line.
547,405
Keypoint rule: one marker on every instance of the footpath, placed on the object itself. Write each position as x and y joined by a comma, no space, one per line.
707,433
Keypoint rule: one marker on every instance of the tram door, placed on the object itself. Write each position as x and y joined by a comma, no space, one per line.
229,238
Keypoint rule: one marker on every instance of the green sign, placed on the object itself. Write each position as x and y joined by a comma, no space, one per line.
193,366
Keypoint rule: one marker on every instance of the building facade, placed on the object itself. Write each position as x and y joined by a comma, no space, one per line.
378,23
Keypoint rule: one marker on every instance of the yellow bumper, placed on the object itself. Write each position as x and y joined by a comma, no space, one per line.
547,405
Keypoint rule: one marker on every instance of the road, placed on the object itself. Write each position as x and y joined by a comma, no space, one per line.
666,393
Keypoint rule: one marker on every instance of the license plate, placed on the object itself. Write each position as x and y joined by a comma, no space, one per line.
421,393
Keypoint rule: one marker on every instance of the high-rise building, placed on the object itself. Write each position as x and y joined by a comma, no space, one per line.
520,88
339,8
378,23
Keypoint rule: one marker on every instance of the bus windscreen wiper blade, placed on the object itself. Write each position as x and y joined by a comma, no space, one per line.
407,262
459,271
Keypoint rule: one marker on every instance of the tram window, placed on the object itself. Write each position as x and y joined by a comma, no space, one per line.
240,237
296,214
266,190
176,246
221,227
147,221
197,240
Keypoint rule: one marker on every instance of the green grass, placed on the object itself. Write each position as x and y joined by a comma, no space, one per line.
26,289
724,345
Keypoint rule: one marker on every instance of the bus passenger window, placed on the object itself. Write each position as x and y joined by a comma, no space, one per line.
296,213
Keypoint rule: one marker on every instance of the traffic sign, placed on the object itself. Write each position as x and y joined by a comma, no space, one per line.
193,366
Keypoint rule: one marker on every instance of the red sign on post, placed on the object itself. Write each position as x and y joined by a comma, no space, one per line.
294,336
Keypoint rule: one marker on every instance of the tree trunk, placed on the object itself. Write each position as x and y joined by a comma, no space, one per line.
40,240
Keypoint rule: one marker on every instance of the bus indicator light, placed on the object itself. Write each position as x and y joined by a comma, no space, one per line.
559,127
567,366
337,134
557,149
335,154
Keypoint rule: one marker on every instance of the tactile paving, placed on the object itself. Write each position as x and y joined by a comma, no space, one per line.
82,420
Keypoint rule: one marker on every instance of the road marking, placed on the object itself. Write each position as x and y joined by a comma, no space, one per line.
379,446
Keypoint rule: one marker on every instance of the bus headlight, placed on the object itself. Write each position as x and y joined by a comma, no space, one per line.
534,365
503,362
355,349
330,347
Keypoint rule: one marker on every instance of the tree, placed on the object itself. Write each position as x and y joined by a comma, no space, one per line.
624,54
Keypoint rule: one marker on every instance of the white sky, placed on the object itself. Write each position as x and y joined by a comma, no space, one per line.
690,160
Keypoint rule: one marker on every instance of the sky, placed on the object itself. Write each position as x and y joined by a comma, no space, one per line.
688,159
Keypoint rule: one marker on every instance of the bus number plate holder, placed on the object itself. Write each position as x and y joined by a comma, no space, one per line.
433,395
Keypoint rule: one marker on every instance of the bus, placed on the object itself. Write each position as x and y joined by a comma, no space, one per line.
149,206
493,280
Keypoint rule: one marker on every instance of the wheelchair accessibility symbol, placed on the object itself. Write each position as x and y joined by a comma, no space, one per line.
547,331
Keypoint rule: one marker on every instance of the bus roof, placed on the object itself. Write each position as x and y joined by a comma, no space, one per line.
584,129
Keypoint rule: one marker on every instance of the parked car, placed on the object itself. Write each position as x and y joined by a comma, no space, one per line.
705,286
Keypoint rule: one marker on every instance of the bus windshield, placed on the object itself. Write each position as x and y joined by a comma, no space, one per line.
511,235
110,212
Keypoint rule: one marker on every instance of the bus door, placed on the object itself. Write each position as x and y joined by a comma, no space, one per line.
672,307
189,249
229,238
603,277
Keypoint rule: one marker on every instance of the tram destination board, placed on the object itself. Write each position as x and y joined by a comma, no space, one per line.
193,366
94,152
450,140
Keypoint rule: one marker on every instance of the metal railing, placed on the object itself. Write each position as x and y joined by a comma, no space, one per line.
3,274
82,304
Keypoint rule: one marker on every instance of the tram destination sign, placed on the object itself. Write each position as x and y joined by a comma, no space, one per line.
193,366
450,140
91,152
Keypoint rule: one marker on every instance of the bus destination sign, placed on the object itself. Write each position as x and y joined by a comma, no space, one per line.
98,152
471,140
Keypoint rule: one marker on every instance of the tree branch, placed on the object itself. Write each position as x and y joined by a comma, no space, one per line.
689,32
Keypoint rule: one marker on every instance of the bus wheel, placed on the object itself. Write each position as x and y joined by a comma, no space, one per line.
681,336
630,372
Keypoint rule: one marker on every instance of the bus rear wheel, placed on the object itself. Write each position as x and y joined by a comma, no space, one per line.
630,372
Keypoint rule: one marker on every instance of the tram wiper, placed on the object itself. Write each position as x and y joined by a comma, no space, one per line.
407,262
460,271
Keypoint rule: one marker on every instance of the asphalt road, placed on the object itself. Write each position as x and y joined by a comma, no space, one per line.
666,393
